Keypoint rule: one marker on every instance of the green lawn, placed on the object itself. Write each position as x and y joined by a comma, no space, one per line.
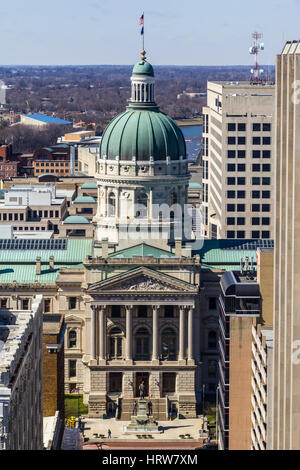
74,405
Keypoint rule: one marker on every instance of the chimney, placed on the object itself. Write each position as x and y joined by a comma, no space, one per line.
178,247
104,247
51,263
38,266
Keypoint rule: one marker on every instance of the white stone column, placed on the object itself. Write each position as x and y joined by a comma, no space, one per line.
155,311
93,334
181,334
129,309
190,334
102,332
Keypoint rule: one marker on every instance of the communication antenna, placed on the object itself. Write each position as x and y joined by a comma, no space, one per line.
254,50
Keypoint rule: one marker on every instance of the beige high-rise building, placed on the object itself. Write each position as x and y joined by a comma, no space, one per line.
286,433
238,160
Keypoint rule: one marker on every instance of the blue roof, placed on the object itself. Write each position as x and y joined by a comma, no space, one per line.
47,119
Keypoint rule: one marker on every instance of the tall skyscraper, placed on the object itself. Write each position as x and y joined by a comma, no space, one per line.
286,413
238,160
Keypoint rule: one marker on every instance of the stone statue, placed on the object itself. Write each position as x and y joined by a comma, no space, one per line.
142,390
135,407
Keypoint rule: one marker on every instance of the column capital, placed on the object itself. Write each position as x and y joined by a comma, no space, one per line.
155,307
129,307
101,307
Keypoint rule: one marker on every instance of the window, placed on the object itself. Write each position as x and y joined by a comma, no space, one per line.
231,207
230,220
266,141
240,234
47,305
241,194
230,181
266,153
255,220
231,127
241,208
212,369
111,205
255,194
25,304
115,311
115,343
72,369
256,181
212,303
265,234
255,207
266,181
266,208
72,340
241,154
169,311
3,303
231,194
255,140
231,154
115,382
255,153
142,205
169,382
241,127
240,221
212,340
231,167
230,234
142,344
256,167
266,194
241,181
266,167
267,127
142,311
241,167
72,303
265,221
241,140
256,127
255,234
168,345
231,140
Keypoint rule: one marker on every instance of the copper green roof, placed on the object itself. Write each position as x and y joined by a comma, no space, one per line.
143,68
142,133
141,250
195,186
85,199
76,219
90,185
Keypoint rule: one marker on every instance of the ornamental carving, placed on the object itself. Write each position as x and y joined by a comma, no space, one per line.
143,283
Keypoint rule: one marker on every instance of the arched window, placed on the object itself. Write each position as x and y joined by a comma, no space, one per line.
212,340
173,198
212,369
168,344
111,205
115,343
72,339
142,345
142,205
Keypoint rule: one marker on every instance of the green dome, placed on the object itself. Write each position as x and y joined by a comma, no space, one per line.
143,68
142,133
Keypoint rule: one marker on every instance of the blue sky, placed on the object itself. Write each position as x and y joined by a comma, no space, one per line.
186,32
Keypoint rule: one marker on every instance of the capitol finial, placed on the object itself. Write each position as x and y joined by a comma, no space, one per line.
143,55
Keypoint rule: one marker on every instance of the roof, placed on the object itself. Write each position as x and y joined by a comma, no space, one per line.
195,186
85,199
76,219
142,133
141,250
47,119
90,185
143,68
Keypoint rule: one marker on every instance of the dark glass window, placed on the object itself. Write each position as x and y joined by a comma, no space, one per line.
241,167
255,153
265,221
231,154
255,207
115,311
240,221
241,154
169,311
169,382
255,180
72,368
231,167
266,208
266,141
255,194
266,180
241,208
267,127
241,181
212,340
266,153
256,127
266,194
231,140
231,194
212,303
242,127
255,234
266,167
231,126
72,303
230,220
255,140
230,207
255,220
230,234
142,311
241,140
230,181
256,167
241,194
265,234
240,234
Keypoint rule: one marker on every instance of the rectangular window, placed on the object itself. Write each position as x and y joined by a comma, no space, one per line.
266,153
231,154
231,140
240,234
3,303
231,207
230,220
256,167
241,208
267,127
169,382
241,167
241,181
115,382
241,127
25,304
266,194
230,234
231,194
266,208
255,153
212,303
231,167
240,221
266,141
47,305
241,140
230,181
265,234
142,311
255,234
169,311
266,180
115,311
72,303
231,126
255,220
265,221
256,127
72,368
255,194
241,153
241,194
255,181
266,167
255,207
255,140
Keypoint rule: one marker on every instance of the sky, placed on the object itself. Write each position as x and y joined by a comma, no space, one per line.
185,32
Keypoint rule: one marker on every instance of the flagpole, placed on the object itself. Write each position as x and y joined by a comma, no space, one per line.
143,31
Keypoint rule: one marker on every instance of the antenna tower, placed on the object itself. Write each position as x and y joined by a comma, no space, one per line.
254,50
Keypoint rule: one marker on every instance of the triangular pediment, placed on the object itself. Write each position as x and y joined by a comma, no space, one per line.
142,280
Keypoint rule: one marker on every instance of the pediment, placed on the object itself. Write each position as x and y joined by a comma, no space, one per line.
73,319
142,280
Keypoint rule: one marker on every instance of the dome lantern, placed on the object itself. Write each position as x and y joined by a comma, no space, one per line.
142,82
